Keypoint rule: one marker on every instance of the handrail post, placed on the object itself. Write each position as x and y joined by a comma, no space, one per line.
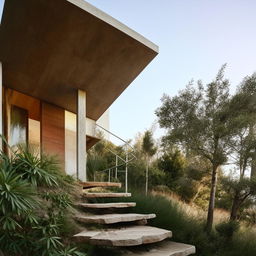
109,175
126,171
116,166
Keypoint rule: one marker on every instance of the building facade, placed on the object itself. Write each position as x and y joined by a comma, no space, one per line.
63,63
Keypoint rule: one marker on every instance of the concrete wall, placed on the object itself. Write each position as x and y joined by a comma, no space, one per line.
104,122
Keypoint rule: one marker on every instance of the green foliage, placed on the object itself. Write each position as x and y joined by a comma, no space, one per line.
37,171
227,229
33,206
173,164
199,120
188,229
95,163
148,144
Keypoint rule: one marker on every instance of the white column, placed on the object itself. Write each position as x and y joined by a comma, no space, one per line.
1,105
81,135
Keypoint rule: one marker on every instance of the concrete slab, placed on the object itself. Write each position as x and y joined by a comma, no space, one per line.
166,248
49,49
114,218
107,205
129,236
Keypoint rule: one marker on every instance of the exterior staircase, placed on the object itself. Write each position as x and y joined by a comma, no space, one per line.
129,231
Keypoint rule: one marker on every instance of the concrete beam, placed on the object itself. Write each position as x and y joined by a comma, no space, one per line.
81,135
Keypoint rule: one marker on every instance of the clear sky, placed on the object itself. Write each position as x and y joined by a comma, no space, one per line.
195,38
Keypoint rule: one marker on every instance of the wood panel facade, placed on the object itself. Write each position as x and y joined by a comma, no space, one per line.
53,130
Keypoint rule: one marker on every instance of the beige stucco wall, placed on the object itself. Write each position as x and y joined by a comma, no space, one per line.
70,137
104,122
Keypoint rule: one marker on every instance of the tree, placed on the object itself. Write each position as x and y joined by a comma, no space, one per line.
173,163
243,108
197,119
149,150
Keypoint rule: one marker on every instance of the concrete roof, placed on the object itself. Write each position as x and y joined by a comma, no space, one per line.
51,48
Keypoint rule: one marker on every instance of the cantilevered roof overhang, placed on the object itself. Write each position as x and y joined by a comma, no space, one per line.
51,48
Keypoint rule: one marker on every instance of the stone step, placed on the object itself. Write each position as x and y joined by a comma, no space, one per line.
113,218
95,184
128,236
165,248
107,205
101,195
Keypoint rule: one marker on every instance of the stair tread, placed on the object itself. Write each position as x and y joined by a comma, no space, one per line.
165,248
107,205
127,236
94,184
106,194
114,218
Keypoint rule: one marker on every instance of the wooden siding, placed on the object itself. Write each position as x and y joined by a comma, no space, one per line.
53,131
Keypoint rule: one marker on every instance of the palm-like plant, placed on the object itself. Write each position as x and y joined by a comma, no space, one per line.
16,195
39,171
33,205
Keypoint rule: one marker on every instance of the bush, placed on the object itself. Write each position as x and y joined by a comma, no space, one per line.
33,206
227,229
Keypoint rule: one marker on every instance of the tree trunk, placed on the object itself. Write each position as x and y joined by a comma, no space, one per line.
147,176
235,206
212,199
253,164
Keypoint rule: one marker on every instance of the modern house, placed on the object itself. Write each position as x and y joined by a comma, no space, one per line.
63,63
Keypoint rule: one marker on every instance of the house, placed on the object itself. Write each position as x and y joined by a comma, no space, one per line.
63,63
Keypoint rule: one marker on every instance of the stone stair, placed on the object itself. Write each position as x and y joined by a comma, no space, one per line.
105,195
107,205
114,218
95,184
125,230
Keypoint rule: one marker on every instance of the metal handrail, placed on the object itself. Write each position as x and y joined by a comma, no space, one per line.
125,161
126,142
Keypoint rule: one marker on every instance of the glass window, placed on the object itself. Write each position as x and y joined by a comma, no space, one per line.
19,126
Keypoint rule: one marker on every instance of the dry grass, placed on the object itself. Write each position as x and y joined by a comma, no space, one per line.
192,210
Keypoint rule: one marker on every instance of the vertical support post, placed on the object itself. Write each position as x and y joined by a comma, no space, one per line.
81,135
116,167
126,170
1,105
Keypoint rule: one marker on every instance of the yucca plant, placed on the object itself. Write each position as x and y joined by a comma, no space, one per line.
39,171
33,205
17,197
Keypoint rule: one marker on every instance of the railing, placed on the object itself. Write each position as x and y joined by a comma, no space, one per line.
129,156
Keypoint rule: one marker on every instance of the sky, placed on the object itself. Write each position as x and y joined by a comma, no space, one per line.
195,37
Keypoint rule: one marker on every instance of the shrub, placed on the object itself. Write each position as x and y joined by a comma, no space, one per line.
33,206
227,229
